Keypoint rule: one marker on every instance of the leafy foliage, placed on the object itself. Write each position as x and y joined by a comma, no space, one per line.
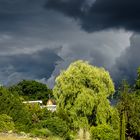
81,92
123,127
13,107
6,123
103,132
129,109
44,132
137,84
57,126
38,114
32,90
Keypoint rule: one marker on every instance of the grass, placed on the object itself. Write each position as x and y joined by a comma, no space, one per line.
16,137
11,137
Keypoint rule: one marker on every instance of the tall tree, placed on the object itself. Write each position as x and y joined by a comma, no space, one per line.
136,100
123,108
123,127
81,93
129,110
137,83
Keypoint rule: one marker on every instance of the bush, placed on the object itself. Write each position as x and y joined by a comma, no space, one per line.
57,126
6,123
44,132
13,107
103,132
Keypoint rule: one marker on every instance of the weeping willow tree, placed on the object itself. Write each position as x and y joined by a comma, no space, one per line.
82,93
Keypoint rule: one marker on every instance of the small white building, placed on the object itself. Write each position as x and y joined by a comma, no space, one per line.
33,102
50,106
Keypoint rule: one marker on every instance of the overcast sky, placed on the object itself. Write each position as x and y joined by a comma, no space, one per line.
39,38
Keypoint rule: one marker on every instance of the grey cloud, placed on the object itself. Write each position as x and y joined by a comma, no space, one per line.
30,37
15,11
127,64
24,66
100,49
100,14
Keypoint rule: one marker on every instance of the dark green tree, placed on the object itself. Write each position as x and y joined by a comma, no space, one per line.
32,90
56,125
123,107
123,126
137,83
135,122
129,110
11,105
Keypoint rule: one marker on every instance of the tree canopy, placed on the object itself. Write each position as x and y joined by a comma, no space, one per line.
32,90
11,105
81,93
129,109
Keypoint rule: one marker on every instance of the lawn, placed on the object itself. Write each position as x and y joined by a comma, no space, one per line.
15,137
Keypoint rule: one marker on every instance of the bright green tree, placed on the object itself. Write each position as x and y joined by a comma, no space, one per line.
103,132
82,93
6,123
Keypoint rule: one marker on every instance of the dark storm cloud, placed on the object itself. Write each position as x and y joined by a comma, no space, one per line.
95,15
30,37
100,49
127,64
13,12
9,16
28,66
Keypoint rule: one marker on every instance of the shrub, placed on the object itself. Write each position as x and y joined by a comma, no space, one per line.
44,132
103,132
57,126
13,107
6,123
